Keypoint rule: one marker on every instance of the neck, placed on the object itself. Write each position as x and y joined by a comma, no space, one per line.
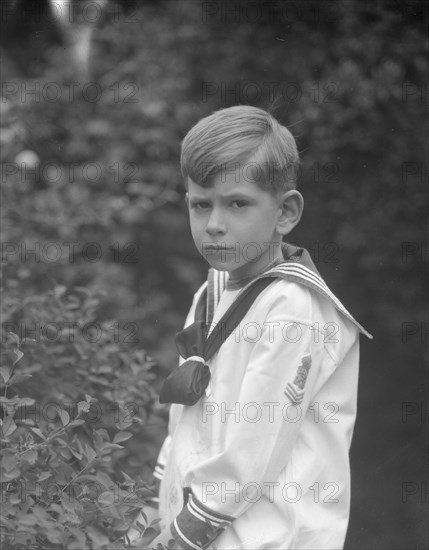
234,283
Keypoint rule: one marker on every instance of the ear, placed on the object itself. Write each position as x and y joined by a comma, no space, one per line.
187,199
291,206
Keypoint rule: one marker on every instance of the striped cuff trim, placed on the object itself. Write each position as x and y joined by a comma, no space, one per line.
196,526
196,507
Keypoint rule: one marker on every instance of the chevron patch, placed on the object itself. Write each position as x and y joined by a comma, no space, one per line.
296,396
295,391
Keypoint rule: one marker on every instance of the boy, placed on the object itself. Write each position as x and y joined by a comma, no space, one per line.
260,460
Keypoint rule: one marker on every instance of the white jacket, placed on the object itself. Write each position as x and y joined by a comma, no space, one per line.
261,461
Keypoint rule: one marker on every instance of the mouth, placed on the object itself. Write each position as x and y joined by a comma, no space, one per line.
216,247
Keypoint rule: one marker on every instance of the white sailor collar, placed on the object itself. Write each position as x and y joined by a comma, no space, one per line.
297,267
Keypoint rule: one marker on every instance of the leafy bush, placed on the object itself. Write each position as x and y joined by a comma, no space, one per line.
70,399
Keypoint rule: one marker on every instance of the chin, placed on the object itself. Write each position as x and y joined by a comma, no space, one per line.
221,265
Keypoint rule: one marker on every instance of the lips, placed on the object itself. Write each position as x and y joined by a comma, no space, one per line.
217,247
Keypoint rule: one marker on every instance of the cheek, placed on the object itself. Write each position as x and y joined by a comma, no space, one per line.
196,228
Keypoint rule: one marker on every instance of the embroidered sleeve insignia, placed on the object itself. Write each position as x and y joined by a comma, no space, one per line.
295,391
302,373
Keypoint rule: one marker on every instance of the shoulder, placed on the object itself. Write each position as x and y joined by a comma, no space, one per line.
288,302
286,299
298,301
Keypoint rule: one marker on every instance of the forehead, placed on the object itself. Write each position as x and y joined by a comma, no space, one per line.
228,182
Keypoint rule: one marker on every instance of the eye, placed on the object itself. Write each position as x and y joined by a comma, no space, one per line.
239,203
200,205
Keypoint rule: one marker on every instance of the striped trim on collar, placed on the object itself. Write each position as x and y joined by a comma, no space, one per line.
289,270
216,285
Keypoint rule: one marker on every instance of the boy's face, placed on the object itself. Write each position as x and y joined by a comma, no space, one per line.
233,224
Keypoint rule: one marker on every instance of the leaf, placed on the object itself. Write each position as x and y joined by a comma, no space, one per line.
77,422
4,371
127,479
103,434
148,535
142,516
28,340
109,446
89,477
75,452
103,369
38,432
104,479
26,401
14,337
67,500
7,523
13,474
65,417
122,436
40,513
8,426
65,453
18,378
124,420
27,421
9,460
28,519
79,536
30,456
59,290
90,453
54,536
97,536
18,354
106,499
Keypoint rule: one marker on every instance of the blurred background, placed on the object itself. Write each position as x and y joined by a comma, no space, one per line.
96,98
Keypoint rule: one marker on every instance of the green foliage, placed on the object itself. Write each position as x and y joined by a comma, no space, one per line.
69,404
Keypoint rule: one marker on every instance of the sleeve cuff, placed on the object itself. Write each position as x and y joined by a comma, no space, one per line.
154,501
196,526
159,471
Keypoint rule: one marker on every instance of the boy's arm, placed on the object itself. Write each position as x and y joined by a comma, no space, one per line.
282,377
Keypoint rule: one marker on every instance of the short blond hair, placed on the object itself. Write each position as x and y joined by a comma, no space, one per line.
237,137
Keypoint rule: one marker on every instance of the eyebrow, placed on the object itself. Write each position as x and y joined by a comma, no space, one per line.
233,195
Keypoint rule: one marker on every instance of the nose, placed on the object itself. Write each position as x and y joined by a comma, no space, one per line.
216,224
